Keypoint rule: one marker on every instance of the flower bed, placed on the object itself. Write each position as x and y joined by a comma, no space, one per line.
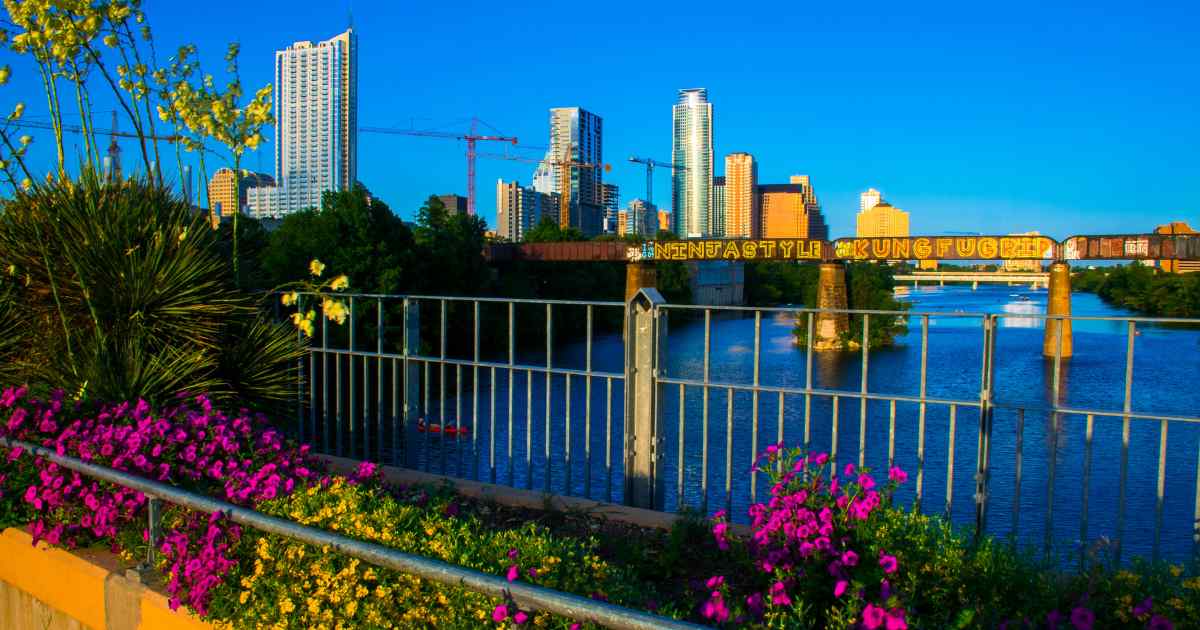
827,549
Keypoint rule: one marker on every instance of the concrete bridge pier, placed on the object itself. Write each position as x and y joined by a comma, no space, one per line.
831,294
638,276
1058,302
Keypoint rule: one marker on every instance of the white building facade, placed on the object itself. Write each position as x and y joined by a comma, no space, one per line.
691,190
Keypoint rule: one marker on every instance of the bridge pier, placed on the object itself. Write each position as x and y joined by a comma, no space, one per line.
1058,302
974,285
831,294
638,276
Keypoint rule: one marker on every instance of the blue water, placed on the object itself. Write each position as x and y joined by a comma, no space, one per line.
1166,363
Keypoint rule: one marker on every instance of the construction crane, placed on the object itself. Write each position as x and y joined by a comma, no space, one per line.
650,164
564,208
471,138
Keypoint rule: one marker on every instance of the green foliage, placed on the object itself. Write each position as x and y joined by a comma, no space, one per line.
770,283
1143,289
122,294
868,287
450,251
359,237
548,231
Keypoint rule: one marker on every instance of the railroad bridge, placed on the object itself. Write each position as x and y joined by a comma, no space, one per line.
833,321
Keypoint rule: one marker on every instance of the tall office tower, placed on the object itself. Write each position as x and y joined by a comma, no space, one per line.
882,219
316,124
641,218
612,205
664,220
520,209
742,216
691,189
576,136
717,209
869,199
791,210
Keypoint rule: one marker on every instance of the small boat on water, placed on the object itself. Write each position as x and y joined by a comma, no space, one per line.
449,429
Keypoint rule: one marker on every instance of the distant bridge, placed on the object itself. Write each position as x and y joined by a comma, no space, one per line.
1034,279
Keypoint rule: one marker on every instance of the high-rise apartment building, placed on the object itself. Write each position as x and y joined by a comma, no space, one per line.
576,139
222,196
641,218
882,219
742,217
612,205
691,190
316,125
869,199
716,219
519,209
791,210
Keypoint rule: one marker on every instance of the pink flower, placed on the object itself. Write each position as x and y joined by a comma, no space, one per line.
849,558
1144,608
779,596
840,588
513,573
715,608
888,562
873,616
1159,622
714,581
897,475
520,617
895,620
755,604
500,613
512,554
1083,618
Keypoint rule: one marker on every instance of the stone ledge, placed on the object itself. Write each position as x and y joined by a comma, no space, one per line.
49,588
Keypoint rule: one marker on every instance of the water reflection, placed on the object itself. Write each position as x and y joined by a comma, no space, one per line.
1022,305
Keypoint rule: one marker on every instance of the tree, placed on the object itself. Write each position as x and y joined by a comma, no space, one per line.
548,231
450,259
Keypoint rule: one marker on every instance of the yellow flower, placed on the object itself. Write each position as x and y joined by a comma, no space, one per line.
1176,570
289,299
316,267
340,283
26,184
25,139
5,72
12,270
286,606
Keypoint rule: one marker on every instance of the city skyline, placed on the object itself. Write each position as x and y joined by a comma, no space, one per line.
963,121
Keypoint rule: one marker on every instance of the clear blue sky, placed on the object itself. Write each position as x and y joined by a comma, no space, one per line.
973,117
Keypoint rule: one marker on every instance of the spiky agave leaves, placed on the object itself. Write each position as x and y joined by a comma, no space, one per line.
123,294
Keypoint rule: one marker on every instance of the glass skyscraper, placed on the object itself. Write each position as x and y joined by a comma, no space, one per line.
691,189
316,125
576,135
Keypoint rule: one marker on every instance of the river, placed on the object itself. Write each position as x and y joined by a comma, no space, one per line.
1166,364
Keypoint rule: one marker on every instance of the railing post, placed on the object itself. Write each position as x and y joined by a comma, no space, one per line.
412,377
983,451
645,336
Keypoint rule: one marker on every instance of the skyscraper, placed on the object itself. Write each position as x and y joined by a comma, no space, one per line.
717,215
869,199
222,197
612,204
316,125
882,219
691,190
520,209
742,217
576,135
641,218
791,210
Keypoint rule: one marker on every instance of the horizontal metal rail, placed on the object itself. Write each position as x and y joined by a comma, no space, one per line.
528,595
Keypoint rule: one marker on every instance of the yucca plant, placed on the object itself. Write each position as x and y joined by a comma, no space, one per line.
122,293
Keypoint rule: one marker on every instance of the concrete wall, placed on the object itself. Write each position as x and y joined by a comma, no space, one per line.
47,588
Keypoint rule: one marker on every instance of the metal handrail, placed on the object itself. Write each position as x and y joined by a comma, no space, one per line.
538,597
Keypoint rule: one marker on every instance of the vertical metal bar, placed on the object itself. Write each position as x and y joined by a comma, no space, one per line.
529,429
808,383
379,378
680,469
300,372
549,366
512,354
1196,517
983,443
395,413
567,441
442,388
492,427
153,529
950,462
921,412
1158,496
325,385
407,404
1131,332
458,467
704,415
428,421
587,412
862,406
312,395
779,420
608,438
754,411
1083,499
1020,457
352,394
833,448
892,434
341,427
729,451
475,393
1054,427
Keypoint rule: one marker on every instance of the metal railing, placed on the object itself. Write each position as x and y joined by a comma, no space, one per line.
665,434
568,605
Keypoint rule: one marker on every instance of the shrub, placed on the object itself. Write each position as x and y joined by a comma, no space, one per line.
122,295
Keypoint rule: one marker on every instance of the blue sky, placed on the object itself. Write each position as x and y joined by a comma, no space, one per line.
972,117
